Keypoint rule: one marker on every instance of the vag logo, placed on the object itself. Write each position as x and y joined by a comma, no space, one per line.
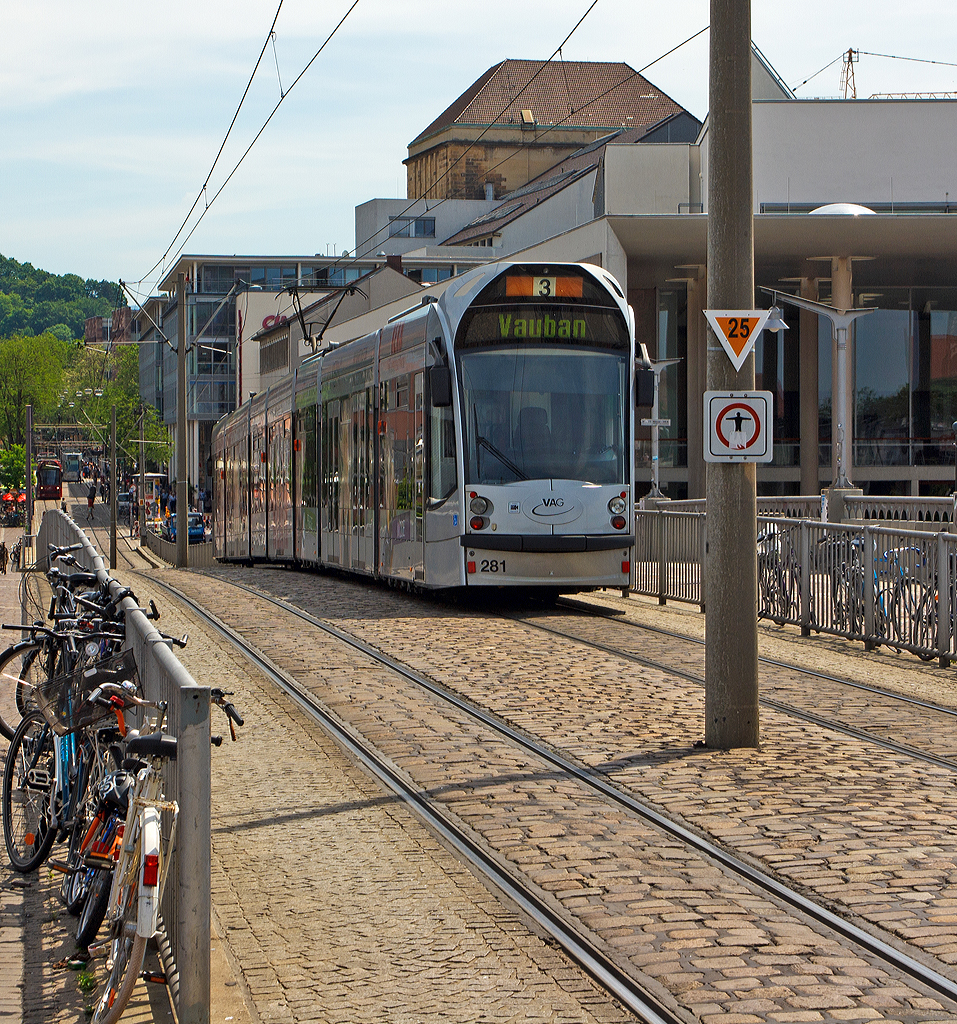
555,508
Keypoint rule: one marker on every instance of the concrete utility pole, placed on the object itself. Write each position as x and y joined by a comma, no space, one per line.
113,489
142,488
182,493
731,651
28,478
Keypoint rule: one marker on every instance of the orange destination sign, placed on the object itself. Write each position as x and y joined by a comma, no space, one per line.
737,330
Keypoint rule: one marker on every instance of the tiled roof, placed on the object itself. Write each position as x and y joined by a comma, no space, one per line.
575,94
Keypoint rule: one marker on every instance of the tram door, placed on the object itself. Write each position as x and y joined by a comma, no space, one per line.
362,526
332,474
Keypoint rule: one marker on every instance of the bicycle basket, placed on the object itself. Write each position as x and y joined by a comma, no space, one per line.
62,698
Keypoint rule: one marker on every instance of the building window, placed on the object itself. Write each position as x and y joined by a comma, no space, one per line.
330,277
215,279
274,354
412,227
429,275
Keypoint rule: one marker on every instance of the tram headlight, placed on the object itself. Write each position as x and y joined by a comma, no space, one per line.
617,505
479,506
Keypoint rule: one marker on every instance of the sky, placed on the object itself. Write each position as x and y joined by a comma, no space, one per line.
111,114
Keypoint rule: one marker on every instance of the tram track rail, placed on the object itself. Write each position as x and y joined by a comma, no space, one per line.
603,970
823,721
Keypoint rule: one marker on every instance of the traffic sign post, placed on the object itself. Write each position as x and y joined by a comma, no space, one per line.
731,648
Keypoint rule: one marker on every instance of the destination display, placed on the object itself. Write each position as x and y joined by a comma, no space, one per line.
576,325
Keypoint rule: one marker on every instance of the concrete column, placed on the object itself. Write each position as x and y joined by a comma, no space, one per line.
810,413
697,378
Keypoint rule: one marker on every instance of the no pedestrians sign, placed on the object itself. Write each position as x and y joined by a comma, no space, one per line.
740,426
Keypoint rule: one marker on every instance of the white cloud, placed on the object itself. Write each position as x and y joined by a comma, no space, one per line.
112,113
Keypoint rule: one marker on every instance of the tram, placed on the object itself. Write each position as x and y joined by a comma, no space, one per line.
484,439
71,467
49,480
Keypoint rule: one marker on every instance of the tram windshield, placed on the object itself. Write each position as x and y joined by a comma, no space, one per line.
545,412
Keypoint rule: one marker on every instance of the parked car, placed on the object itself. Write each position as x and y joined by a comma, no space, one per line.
195,526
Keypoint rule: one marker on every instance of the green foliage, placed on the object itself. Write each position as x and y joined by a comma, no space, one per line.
31,373
12,461
105,378
32,301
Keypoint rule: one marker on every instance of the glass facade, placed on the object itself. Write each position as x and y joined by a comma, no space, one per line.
904,381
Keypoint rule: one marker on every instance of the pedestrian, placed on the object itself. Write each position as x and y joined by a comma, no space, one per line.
16,556
4,556
90,499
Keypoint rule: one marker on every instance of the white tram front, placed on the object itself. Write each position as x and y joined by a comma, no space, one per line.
485,439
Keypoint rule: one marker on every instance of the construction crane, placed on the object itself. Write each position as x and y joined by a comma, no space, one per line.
848,85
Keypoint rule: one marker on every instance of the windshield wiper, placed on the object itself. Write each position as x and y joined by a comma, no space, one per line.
484,442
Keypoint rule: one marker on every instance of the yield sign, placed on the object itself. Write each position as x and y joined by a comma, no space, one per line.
737,330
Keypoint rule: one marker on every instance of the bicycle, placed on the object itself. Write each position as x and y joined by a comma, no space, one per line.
56,758
779,589
143,858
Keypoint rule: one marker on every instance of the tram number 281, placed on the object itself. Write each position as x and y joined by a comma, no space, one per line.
492,565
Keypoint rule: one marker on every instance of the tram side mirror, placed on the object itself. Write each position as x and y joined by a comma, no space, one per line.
440,384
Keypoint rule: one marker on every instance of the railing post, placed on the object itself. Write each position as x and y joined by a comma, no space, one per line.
804,576
662,560
193,852
869,583
944,589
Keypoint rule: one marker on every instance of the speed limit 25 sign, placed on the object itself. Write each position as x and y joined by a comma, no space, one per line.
736,330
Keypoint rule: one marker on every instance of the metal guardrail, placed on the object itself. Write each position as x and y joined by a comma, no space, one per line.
881,586
669,555
185,938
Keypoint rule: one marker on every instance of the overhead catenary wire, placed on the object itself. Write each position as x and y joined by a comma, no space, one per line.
270,35
256,138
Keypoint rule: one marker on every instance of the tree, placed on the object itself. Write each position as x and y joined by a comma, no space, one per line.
31,373
12,462
96,380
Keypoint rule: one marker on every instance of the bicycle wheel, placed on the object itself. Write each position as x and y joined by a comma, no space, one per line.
127,948
20,667
97,761
28,778
94,907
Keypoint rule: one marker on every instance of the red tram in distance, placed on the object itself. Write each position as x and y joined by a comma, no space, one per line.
49,480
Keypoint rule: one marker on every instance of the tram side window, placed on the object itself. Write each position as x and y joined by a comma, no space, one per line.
442,473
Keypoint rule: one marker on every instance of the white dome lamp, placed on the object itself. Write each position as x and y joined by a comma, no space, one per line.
842,210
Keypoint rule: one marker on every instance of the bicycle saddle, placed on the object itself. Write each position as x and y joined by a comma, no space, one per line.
153,745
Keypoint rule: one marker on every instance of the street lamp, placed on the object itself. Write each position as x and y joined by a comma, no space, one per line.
657,367
955,462
841,320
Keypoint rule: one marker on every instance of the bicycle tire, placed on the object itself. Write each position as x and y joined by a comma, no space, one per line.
127,948
98,760
19,665
26,798
94,907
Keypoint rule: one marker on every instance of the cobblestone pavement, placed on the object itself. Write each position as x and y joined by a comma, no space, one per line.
807,793
335,906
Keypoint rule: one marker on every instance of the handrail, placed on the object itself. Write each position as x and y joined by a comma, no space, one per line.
185,940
